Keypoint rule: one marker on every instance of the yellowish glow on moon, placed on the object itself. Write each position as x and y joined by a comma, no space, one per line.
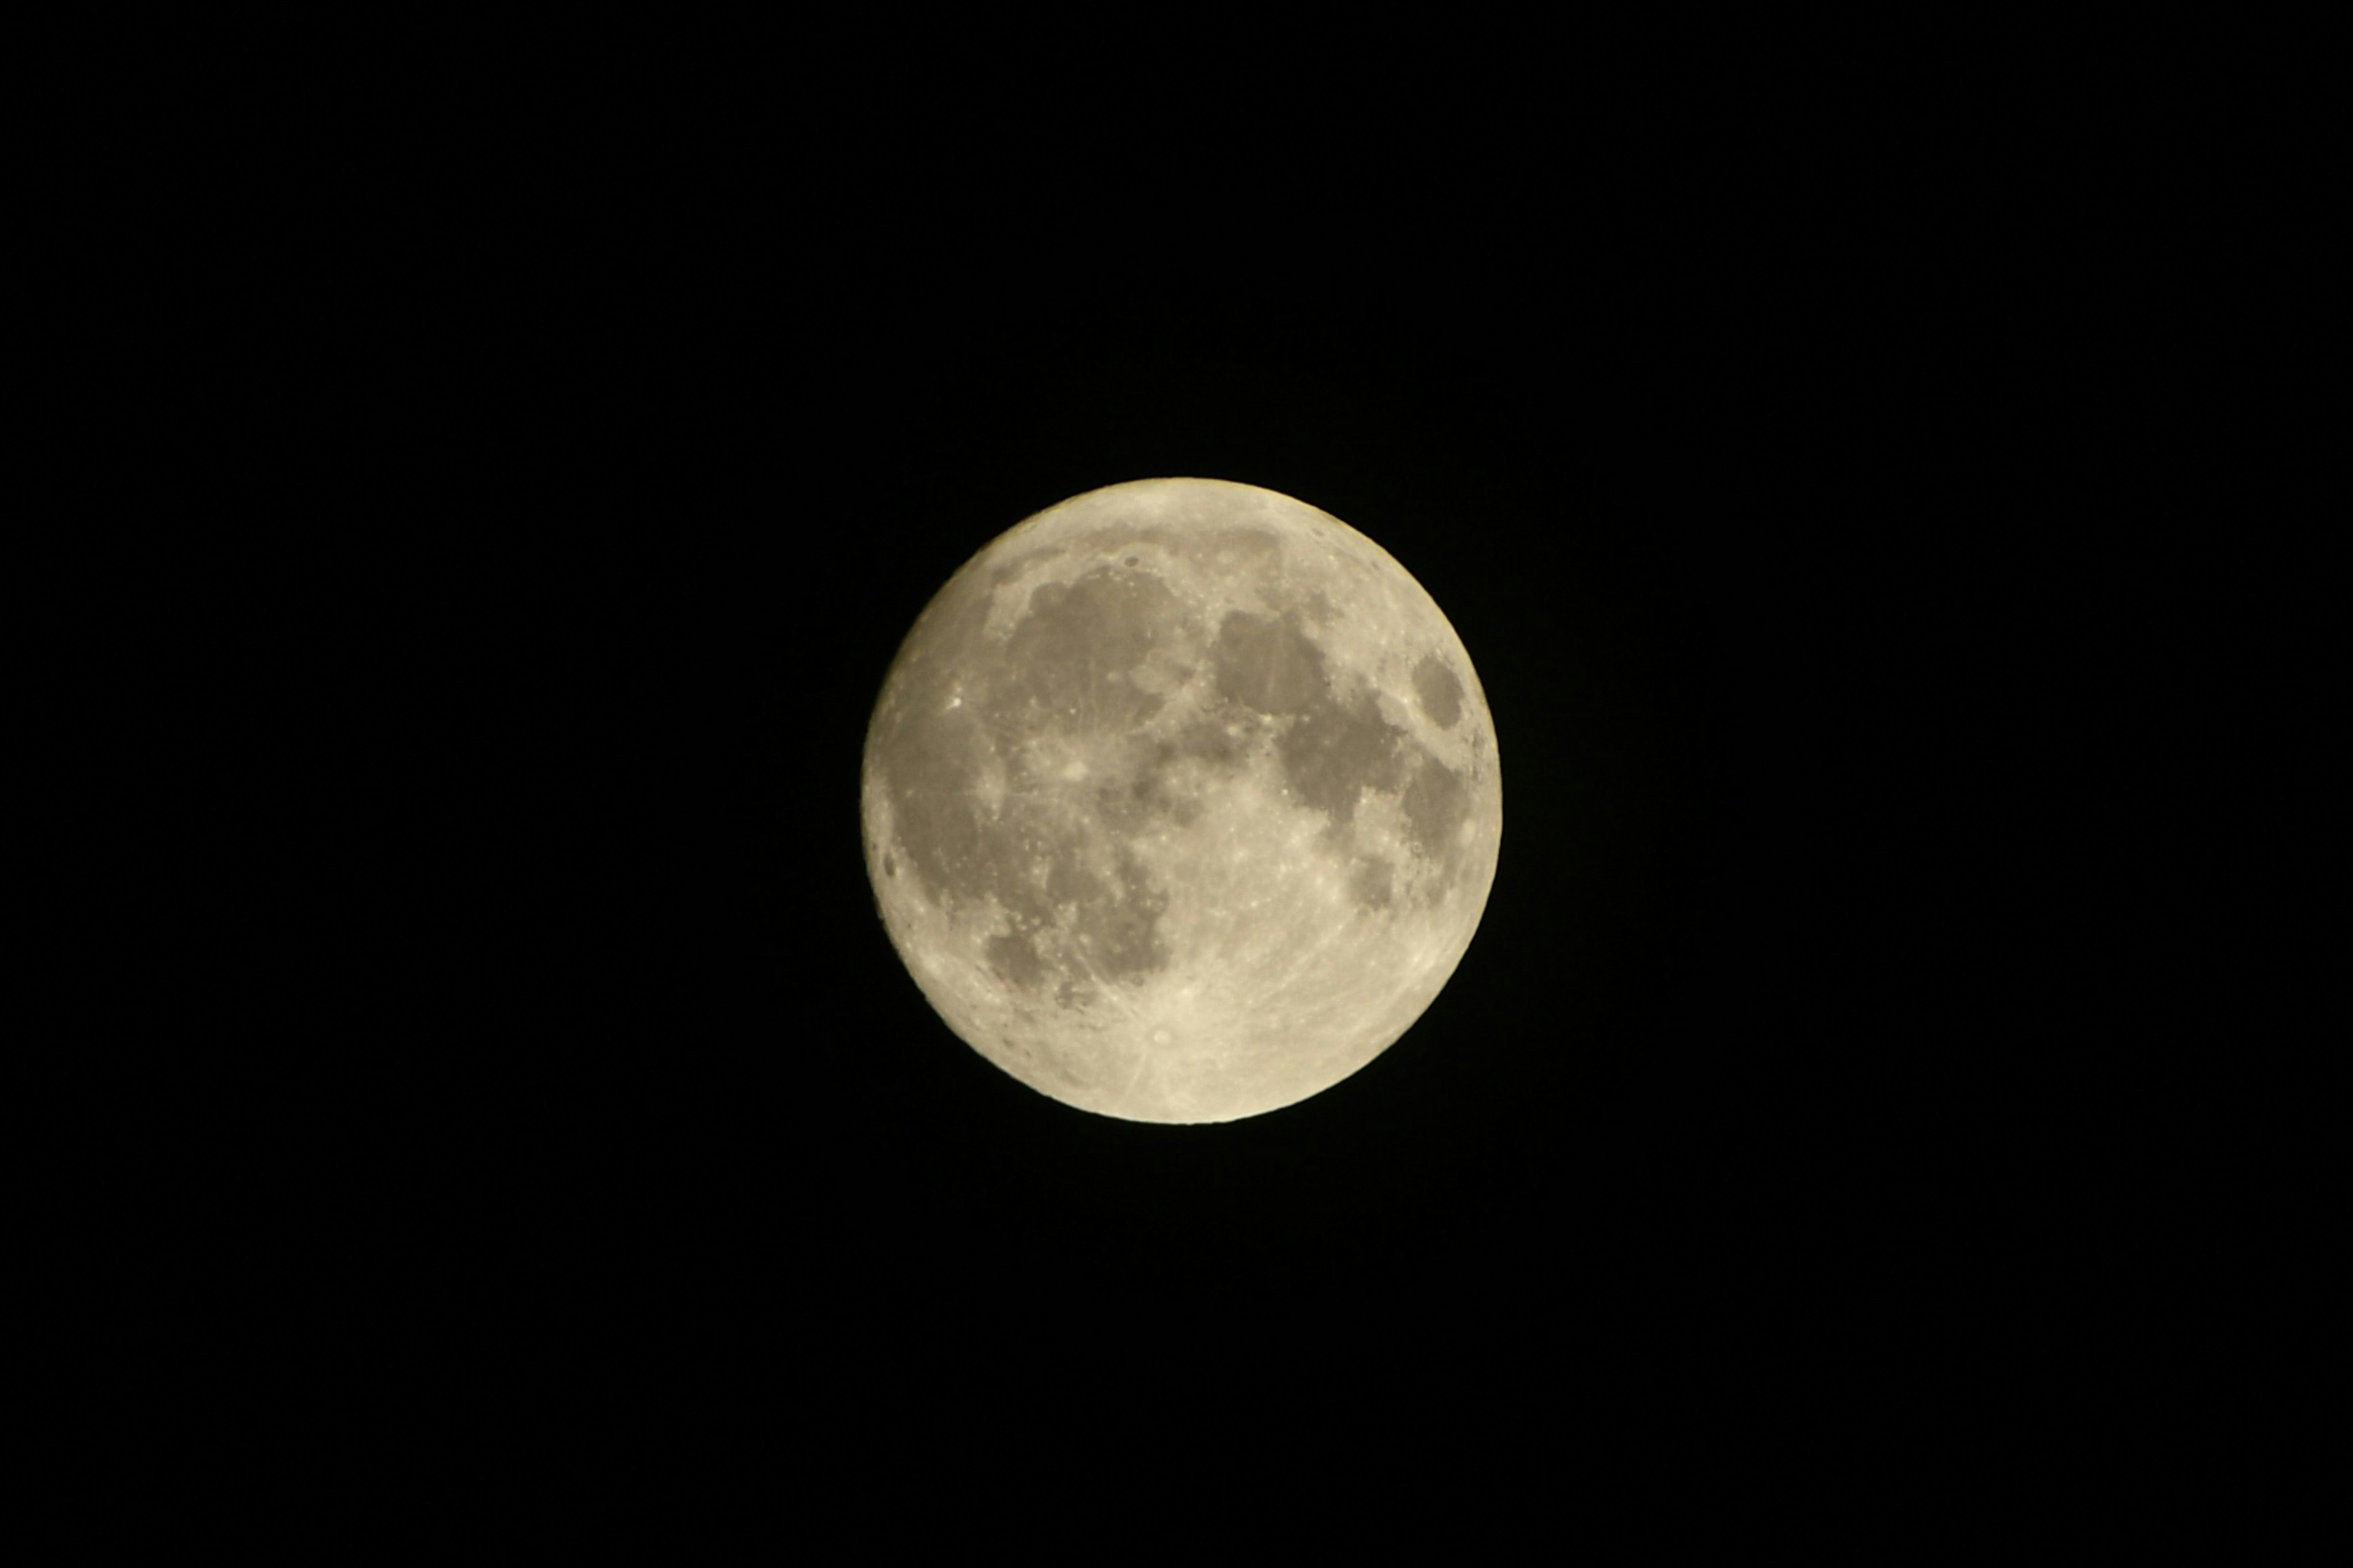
1181,801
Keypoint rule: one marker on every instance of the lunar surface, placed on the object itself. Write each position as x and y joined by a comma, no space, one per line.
1181,801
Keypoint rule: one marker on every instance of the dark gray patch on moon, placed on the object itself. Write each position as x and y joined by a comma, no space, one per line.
1222,744
931,770
1372,883
1439,693
1333,742
1334,751
1068,661
1013,958
1266,664
1064,670
1437,804
1120,932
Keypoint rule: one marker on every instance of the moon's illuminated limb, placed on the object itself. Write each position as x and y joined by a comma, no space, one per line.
1181,801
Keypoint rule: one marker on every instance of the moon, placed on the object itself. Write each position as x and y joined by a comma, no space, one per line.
1181,801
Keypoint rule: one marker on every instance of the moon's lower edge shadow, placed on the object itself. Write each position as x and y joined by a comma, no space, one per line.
1181,801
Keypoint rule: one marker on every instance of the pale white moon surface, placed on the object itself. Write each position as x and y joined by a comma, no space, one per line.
1181,801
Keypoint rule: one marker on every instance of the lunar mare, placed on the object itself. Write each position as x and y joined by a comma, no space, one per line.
1181,801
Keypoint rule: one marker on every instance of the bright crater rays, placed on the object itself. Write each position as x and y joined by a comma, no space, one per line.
1181,801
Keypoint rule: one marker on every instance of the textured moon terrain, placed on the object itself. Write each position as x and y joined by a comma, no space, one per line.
1181,801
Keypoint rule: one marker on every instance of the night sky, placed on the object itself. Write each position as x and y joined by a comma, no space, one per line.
1744,588
1761,525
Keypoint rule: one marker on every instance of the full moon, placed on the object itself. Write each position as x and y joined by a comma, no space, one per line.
1181,801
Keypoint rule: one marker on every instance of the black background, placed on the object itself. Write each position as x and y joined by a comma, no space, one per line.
595,500
1755,607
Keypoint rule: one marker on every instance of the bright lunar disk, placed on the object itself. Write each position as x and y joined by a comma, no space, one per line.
1181,801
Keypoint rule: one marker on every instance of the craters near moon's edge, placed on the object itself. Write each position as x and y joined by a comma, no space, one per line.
1438,690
